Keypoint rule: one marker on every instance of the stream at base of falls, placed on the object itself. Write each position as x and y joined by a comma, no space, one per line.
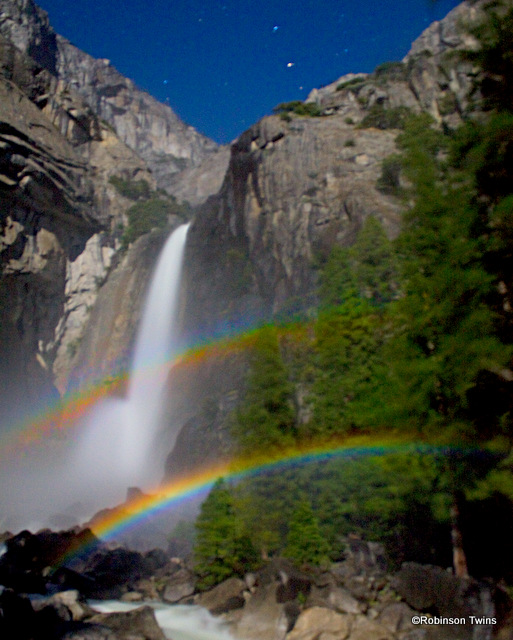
177,621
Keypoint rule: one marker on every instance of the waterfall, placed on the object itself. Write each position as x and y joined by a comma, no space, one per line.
117,447
154,349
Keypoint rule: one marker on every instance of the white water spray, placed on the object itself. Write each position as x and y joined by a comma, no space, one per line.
179,622
117,447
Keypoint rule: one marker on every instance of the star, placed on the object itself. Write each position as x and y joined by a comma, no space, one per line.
290,64
275,28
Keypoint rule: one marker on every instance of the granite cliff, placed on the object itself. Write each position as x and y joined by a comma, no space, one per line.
69,124
296,185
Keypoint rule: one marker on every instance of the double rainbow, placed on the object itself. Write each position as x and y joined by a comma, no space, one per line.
199,482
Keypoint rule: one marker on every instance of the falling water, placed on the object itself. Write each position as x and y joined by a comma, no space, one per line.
91,467
117,447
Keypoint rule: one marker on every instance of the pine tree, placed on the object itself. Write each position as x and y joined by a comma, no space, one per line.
221,549
266,419
374,263
305,542
355,285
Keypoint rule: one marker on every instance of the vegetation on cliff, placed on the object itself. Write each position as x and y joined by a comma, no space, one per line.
411,338
152,209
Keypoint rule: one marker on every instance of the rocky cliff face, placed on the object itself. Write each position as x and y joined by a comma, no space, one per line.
296,185
150,128
165,143
68,124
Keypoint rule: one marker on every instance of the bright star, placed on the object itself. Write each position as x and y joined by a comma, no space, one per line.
290,64
276,27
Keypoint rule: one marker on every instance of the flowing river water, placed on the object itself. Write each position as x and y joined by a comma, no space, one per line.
178,622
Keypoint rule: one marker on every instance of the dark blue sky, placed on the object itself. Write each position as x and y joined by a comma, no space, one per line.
223,65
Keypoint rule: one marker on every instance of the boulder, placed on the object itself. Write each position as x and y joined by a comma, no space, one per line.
132,596
343,602
433,589
318,621
396,617
69,604
17,618
262,618
139,624
115,571
179,586
366,556
147,588
292,584
365,629
224,597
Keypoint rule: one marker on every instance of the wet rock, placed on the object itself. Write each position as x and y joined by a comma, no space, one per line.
365,629
115,571
179,586
69,605
262,618
318,620
17,618
224,597
132,596
24,565
343,602
147,588
139,624
65,578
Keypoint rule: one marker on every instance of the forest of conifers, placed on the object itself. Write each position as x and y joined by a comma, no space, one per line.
412,340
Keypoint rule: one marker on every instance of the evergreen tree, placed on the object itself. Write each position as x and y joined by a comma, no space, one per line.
266,419
374,263
305,542
347,345
447,334
221,549
355,284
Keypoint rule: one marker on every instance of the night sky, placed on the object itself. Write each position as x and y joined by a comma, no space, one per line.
223,65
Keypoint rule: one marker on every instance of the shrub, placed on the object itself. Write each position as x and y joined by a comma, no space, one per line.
309,109
382,118
389,180
394,70
132,189
349,83
145,216
349,143
447,104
